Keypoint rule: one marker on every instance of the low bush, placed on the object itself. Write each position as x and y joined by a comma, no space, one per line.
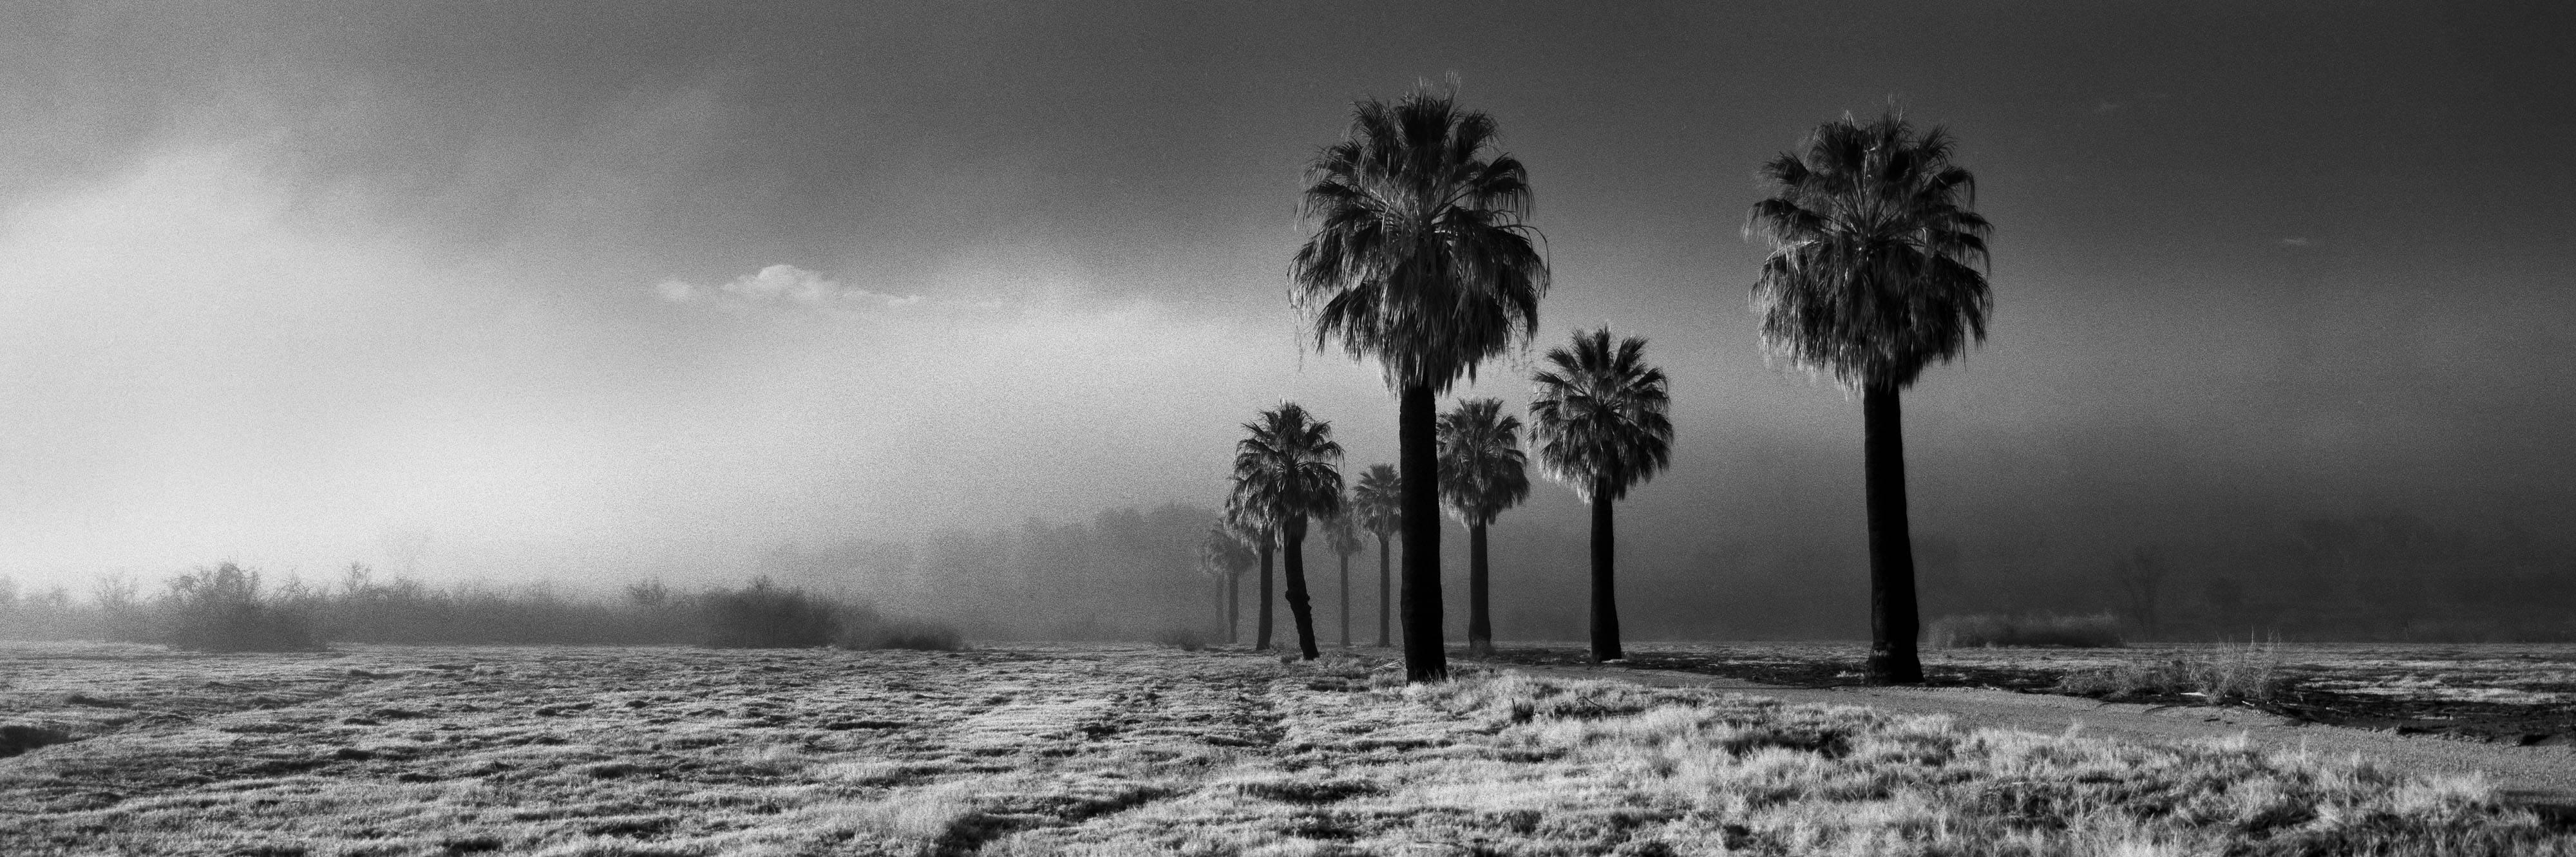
916,634
222,609
2098,631
2220,674
765,615
1184,639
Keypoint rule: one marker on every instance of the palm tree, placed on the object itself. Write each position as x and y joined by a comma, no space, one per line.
1482,473
1252,523
1225,553
1419,259
1284,468
1343,536
1378,502
1601,429
1874,276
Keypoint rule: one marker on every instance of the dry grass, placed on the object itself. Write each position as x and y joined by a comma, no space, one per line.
1075,750
2217,674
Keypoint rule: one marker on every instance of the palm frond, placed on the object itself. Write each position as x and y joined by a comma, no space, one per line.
1285,468
1378,500
1877,264
1601,415
1420,258
1482,468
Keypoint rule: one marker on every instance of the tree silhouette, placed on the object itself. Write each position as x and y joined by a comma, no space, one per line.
1343,536
1378,502
1284,468
1601,426
1482,473
1872,277
1224,553
1254,524
1421,261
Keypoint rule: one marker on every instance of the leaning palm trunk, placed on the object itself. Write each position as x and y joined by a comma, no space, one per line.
1605,600
1293,543
1385,594
1261,626
1480,624
1892,619
1418,456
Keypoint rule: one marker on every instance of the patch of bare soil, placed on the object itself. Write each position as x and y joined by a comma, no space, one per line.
2522,695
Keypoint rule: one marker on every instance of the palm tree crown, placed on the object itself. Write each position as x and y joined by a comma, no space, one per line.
1601,415
1421,259
1283,467
1377,502
1873,273
1482,468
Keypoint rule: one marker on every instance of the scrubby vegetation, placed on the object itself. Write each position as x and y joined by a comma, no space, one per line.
222,609
1101,750
2225,673
2100,631
230,608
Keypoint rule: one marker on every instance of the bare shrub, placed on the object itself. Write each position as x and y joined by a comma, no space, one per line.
869,630
222,609
2098,631
766,615
2220,674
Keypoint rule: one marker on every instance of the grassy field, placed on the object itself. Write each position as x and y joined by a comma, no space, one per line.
1100,750
2506,693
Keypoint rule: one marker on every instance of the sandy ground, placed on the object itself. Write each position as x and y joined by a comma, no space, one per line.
2541,776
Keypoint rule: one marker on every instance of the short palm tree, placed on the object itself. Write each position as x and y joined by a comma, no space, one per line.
1874,275
1224,553
1482,473
1378,503
1601,427
1343,535
1284,467
1421,260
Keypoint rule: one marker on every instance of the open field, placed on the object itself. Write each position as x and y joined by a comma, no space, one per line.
1109,750
2521,694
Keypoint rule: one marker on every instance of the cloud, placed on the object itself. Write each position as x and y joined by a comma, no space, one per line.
2294,241
785,285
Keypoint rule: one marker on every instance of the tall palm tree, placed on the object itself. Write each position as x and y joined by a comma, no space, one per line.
1252,523
1225,553
1602,428
1284,467
1482,473
1874,275
1378,502
1343,535
1421,260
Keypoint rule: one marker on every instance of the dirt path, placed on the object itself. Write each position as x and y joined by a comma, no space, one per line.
2544,777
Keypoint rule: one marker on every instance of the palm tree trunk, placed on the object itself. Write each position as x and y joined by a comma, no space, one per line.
1233,606
1292,539
1346,600
1385,593
1480,625
1892,619
1416,432
1605,599
1261,625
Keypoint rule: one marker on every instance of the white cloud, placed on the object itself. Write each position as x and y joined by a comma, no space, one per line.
783,285
2294,242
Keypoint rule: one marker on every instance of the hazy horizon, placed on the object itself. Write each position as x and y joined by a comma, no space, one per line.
598,292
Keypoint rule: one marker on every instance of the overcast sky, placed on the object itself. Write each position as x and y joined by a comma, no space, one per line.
588,288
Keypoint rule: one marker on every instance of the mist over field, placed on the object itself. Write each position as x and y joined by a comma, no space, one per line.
586,295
